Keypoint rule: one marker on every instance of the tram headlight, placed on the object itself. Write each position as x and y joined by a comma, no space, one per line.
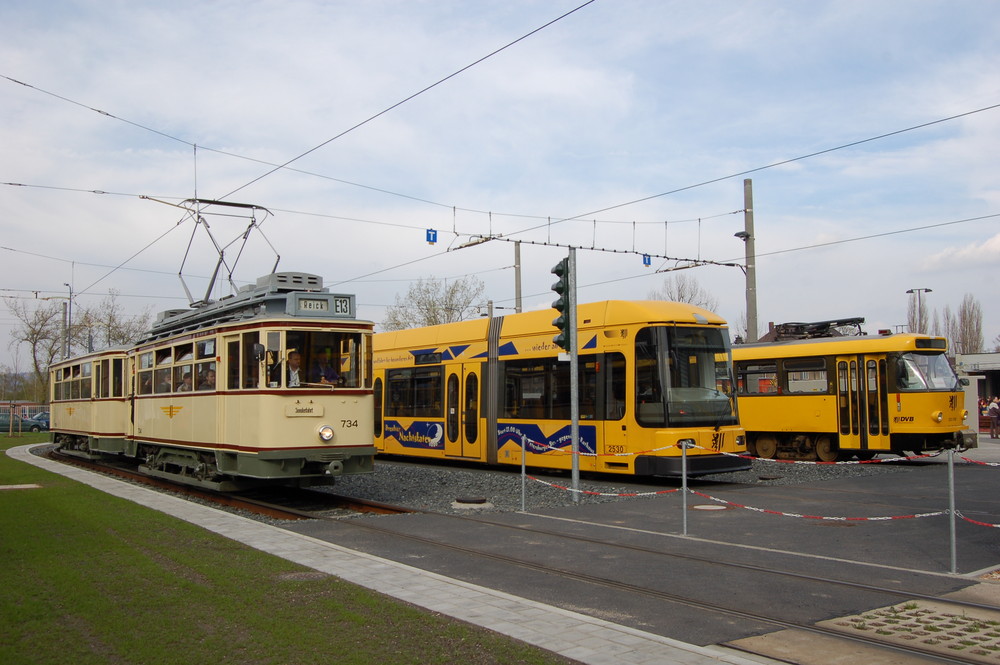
938,416
325,433
965,415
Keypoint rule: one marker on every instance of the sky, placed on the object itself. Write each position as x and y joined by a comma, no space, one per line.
870,131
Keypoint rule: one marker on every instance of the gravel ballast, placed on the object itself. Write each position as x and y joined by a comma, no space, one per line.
461,489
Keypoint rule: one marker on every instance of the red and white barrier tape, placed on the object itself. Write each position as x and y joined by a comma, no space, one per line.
972,521
592,493
766,511
819,517
817,462
975,461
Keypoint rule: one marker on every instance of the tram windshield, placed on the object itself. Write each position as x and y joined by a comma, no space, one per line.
684,377
925,371
311,359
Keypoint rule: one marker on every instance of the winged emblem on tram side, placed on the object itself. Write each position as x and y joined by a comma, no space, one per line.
171,411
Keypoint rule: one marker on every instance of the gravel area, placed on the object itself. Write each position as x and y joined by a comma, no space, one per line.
465,489
462,489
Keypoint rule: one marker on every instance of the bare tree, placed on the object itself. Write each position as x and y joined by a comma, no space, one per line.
40,328
967,336
681,288
432,301
918,313
106,324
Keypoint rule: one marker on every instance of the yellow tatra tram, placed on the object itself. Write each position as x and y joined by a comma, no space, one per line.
651,375
271,384
833,397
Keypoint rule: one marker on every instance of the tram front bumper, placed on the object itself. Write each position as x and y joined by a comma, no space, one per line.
697,465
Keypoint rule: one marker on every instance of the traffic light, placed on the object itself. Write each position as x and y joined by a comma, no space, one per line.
564,304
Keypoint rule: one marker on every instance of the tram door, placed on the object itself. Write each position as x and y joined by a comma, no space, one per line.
862,403
463,437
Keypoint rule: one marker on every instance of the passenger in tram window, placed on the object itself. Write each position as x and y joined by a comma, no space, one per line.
294,374
208,381
323,371
186,382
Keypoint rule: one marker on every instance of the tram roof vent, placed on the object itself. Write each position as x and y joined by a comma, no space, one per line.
169,314
290,281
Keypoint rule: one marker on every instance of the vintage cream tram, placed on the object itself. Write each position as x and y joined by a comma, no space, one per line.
273,383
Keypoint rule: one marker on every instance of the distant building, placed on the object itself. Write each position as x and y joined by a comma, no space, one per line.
986,365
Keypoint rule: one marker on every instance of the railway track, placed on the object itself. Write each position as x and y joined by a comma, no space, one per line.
902,597
311,505
280,504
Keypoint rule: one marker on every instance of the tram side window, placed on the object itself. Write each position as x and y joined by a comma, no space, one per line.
614,385
539,389
415,392
326,359
146,373
117,373
757,378
251,367
204,373
807,376
233,372
85,381
378,407
103,381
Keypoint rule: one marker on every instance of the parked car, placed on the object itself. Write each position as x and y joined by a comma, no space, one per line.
19,424
37,423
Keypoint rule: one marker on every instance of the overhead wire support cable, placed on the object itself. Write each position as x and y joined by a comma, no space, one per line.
411,97
772,165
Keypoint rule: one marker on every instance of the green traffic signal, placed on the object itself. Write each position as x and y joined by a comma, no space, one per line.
563,305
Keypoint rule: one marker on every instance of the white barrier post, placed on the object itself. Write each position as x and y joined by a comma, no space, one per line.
951,510
684,445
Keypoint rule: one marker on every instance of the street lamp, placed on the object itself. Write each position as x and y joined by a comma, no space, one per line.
920,320
69,324
746,235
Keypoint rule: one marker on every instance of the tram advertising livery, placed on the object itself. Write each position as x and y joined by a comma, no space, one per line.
652,375
816,395
271,384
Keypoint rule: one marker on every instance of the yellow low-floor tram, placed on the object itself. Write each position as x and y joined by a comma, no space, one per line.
271,384
815,394
652,375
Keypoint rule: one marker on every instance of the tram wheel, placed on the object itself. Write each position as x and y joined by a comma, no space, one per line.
767,446
825,450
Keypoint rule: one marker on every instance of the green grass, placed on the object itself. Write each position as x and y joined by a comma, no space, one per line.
89,578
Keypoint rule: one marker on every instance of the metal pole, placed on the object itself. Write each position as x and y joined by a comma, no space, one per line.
517,276
951,510
684,487
524,471
574,377
751,259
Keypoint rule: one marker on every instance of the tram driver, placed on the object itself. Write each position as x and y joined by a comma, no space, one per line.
294,376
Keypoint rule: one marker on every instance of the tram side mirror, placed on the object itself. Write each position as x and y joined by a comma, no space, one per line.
258,352
964,381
